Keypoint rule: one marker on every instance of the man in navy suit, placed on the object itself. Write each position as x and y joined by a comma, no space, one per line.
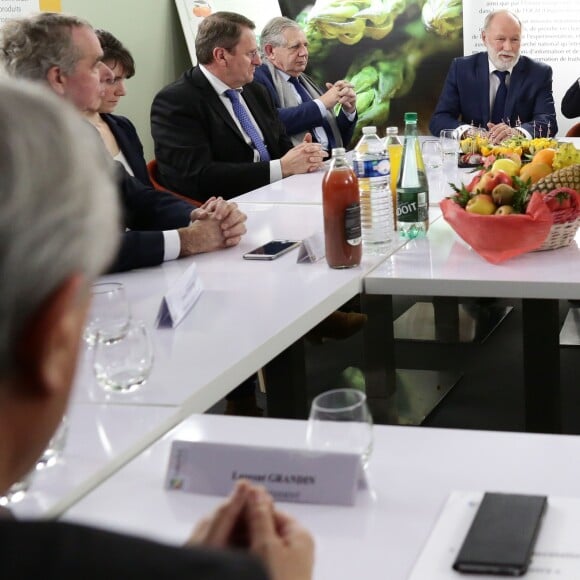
498,90
302,106
217,131
64,53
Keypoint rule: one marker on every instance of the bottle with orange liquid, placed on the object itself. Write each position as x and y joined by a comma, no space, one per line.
341,209
394,147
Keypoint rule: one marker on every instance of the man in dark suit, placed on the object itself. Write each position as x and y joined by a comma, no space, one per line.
46,270
571,101
497,90
64,53
217,131
302,105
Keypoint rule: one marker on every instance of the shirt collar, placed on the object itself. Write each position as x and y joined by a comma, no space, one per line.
493,68
218,85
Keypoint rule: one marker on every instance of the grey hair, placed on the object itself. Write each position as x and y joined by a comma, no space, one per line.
59,211
273,31
31,46
491,15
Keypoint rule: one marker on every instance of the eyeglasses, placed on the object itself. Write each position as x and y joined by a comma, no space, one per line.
115,82
251,55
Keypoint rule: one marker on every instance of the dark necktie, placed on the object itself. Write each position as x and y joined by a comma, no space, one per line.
305,96
498,112
247,124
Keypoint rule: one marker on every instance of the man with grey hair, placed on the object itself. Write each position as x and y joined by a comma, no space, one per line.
215,128
302,105
45,275
63,52
498,91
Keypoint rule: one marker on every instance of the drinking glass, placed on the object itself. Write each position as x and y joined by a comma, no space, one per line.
109,314
341,421
449,147
124,364
55,446
17,490
432,153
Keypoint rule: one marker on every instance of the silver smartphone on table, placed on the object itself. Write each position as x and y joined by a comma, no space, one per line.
272,250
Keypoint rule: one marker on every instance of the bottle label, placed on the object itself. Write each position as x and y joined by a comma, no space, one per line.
372,168
412,207
352,228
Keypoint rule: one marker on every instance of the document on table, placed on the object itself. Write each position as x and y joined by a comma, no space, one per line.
556,555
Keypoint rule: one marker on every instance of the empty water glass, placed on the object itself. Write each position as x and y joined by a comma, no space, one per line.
341,421
124,364
449,146
109,314
432,153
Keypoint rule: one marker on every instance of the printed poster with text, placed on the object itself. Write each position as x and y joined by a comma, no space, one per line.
549,34
18,8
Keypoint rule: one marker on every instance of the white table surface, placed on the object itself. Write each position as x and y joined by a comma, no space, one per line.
248,313
412,472
442,264
100,439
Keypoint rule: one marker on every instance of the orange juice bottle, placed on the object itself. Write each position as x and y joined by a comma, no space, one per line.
394,147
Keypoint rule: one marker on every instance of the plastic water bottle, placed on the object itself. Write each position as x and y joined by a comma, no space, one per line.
412,186
372,169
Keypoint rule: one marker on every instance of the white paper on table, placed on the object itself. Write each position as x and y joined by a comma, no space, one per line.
556,555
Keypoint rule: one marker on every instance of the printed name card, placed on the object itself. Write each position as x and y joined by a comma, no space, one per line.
312,249
180,298
291,475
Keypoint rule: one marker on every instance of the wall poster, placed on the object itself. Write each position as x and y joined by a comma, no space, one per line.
17,8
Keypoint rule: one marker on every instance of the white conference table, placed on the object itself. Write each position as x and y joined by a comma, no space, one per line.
443,265
412,472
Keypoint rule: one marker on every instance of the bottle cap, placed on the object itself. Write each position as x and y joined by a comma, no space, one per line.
392,130
338,151
369,130
410,117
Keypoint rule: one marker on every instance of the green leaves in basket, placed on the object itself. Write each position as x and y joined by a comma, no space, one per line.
522,194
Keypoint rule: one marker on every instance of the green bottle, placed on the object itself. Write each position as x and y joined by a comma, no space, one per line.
412,186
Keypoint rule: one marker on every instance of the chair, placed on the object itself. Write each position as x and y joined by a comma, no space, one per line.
574,131
152,171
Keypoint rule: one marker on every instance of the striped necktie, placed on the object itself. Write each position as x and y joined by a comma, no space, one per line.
247,125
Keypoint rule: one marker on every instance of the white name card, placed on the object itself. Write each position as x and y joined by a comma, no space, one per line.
312,249
180,298
290,475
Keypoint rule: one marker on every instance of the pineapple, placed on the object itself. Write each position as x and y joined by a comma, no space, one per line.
565,177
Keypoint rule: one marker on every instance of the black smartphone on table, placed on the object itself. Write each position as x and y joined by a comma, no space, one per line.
272,250
502,535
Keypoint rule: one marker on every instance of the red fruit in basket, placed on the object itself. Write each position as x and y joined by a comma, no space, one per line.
562,199
482,203
492,178
473,183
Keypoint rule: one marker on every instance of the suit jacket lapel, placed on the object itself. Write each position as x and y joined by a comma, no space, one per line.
482,84
214,101
513,95
256,109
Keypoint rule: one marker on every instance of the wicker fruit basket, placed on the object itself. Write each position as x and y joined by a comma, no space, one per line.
565,223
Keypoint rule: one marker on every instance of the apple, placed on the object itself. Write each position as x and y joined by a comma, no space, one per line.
514,157
504,210
507,165
482,203
475,180
492,178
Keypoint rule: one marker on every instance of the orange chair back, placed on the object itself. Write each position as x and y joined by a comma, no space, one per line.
152,171
574,131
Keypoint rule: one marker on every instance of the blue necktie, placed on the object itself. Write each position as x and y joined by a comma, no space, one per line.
498,112
305,96
247,124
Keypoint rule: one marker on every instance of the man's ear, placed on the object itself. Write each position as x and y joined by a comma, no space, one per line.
268,50
48,348
219,56
56,80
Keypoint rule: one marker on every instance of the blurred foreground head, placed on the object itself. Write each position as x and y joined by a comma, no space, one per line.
58,213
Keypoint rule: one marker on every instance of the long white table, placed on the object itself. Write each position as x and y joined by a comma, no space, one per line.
443,265
412,471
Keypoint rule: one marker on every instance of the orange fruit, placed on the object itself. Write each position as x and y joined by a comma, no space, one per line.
544,156
535,171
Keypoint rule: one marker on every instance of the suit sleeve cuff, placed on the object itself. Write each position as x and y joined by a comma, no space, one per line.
321,108
172,245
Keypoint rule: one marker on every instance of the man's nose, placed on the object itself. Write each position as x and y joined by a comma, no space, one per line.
106,73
